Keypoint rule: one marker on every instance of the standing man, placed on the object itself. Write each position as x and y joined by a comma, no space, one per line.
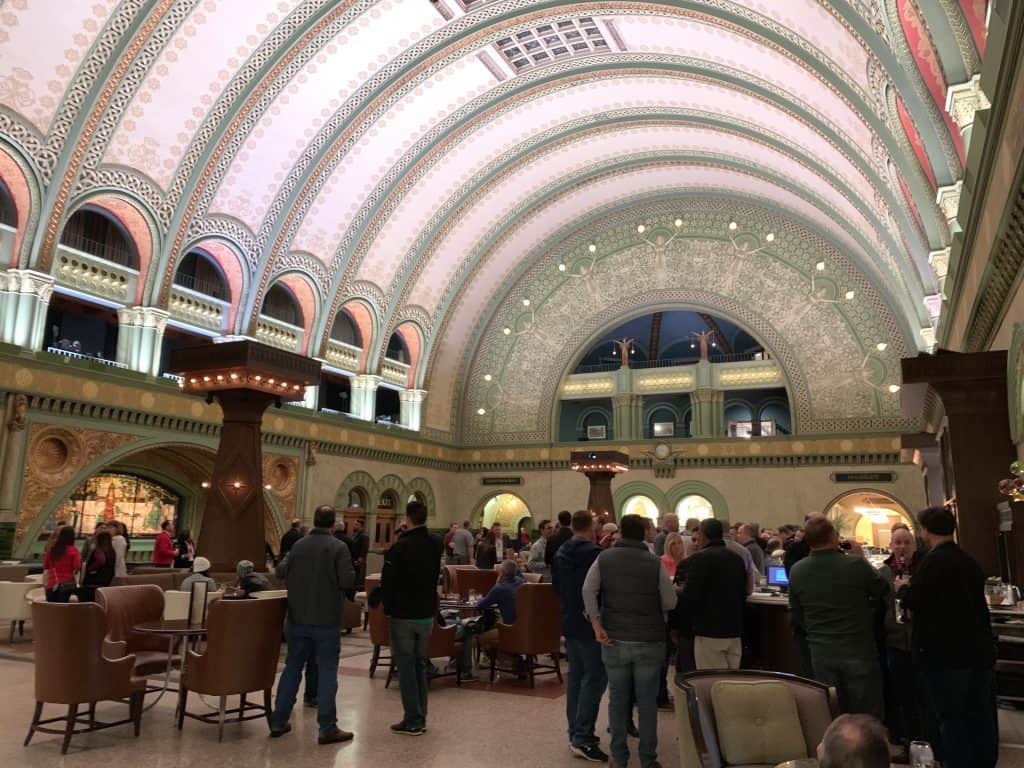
560,536
462,545
448,537
747,536
837,600
627,593
360,549
163,547
291,536
954,650
714,598
669,524
409,586
797,547
535,563
318,572
587,679
502,544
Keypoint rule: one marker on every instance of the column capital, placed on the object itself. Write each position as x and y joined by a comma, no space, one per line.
939,261
964,99
31,281
412,395
948,199
144,317
365,381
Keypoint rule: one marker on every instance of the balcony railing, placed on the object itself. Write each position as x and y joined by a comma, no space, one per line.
394,372
91,274
7,236
278,334
70,355
342,355
672,362
208,288
194,308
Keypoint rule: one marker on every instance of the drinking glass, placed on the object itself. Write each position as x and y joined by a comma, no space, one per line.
921,755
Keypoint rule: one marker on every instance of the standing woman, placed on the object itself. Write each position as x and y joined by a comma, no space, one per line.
61,564
185,550
119,541
675,550
99,569
487,551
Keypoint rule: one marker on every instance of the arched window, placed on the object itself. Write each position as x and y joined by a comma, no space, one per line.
200,273
389,500
280,304
357,498
694,505
661,423
8,210
95,232
396,349
640,505
345,330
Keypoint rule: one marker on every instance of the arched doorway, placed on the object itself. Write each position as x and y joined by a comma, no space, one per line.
641,505
693,505
507,509
868,516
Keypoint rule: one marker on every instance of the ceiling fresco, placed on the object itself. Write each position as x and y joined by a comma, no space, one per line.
430,159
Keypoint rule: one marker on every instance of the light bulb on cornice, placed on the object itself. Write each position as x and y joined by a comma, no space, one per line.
561,267
480,411
732,226
894,388
881,346
506,330
487,377
850,295
592,247
641,228
820,266
526,302
679,223
770,237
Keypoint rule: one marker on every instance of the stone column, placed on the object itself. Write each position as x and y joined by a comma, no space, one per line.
708,409
412,408
627,417
311,398
140,335
364,396
963,100
24,299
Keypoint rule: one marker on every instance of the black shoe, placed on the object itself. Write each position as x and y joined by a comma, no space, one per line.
277,733
311,704
632,731
335,737
408,730
591,752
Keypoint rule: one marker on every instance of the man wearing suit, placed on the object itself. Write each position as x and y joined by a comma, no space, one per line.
360,548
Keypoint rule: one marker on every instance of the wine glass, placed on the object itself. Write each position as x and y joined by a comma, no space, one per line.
921,755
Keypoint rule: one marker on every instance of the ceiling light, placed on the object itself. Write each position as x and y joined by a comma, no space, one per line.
679,222
487,377
506,330
770,237
881,346
266,487
820,266
732,226
850,295
641,229
894,388
480,411
561,267
205,483
526,302
592,247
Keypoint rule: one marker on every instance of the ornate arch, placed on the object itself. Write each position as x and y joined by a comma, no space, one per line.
686,488
590,411
396,484
626,491
422,486
22,180
358,479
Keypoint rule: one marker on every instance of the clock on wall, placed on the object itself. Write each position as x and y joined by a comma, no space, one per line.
662,451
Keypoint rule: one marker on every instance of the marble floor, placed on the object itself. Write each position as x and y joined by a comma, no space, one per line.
479,725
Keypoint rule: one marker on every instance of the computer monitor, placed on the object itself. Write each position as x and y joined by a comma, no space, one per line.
777,576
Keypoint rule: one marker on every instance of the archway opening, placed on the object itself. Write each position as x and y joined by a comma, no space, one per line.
199,272
641,505
94,231
280,304
694,505
397,349
507,509
141,503
868,516
358,498
8,210
345,329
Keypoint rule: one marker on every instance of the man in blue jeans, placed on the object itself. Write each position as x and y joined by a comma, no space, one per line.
408,584
626,593
587,679
318,570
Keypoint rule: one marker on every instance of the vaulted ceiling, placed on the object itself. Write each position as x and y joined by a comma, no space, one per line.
434,162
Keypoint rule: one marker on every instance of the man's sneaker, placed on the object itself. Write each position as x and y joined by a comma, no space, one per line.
591,752
277,733
335,737
408,730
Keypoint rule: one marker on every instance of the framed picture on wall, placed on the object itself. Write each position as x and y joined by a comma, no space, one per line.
597,432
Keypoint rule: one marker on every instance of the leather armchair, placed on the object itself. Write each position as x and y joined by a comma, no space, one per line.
13,605
537,631
473,578
167,579
13,572
128,606
243,647
442,645
71,669
380,633
817,706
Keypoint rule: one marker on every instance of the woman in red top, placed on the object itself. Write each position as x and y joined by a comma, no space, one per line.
164,549
675,551
61,564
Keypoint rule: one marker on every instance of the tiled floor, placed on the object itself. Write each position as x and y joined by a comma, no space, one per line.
473,726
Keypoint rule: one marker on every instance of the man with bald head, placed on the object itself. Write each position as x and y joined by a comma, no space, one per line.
854,741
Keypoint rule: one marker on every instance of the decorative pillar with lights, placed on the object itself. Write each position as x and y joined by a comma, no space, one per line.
245,377
600,467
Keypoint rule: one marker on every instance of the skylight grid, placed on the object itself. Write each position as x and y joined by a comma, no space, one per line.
552,42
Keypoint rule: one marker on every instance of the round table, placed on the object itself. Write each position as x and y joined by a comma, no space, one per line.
807,762
174,630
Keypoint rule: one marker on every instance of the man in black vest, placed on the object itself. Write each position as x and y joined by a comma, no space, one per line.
626,594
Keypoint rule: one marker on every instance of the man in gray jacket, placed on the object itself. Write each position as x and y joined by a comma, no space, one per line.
318,571
626,595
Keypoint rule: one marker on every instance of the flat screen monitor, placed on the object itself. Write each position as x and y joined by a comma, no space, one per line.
777,576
